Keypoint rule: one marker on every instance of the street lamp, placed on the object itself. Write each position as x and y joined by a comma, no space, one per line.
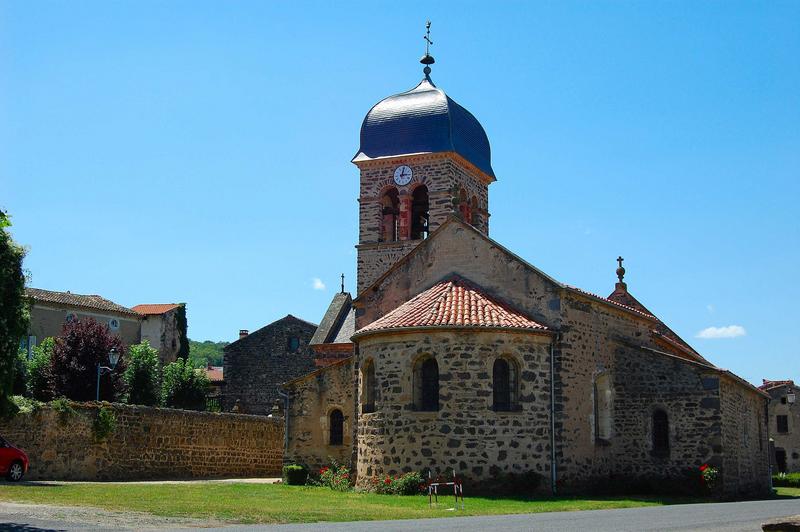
113,358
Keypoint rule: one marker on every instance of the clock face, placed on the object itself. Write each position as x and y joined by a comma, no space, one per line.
402,175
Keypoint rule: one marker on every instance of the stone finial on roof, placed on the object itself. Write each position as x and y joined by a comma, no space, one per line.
621,274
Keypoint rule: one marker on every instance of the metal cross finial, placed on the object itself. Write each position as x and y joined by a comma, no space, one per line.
619,260
427,37
343,283
620,270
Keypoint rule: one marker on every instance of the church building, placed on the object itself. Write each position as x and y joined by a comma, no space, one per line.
458,355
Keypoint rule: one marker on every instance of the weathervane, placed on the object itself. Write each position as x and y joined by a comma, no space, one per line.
427,59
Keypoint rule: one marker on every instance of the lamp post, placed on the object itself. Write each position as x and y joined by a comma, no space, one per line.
113,358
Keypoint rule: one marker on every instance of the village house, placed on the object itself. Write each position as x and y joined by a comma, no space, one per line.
163,325
784,424
458,355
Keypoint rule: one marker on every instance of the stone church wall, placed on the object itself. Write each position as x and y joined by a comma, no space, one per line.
311,400
146,444
745,464
256,365
466,434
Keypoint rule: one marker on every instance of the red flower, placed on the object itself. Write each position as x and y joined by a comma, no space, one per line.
703,467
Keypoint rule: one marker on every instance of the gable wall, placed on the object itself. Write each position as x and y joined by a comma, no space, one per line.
458,249
255,366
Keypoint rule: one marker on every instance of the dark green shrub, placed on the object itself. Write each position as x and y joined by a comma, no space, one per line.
142,375
105,422
786,480
295,475
183,386
39,381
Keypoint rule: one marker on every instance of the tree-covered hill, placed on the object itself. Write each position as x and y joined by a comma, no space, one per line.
204,353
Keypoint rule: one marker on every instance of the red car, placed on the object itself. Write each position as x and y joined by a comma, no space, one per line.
13,461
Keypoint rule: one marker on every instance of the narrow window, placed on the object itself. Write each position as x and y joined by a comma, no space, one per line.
463,206
783,400
503,385
783,424
660,432
294,344
419,213
368,387
603,407
390,215
475,218
426,386
336,427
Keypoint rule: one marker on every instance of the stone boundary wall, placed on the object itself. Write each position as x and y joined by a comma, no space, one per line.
147,443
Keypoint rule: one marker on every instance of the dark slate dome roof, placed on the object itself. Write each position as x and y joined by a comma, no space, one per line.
423,120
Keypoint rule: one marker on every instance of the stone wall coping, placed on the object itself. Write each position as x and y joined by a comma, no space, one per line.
176,411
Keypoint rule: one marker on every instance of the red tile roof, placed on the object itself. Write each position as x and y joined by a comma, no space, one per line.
768,385
149,310
215,373
94,302
454,302
611,301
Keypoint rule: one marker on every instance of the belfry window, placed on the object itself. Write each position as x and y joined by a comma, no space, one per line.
368,387
504,385
426,385
390,215
336,420
602,407
475,218
463,206
419,213
660,432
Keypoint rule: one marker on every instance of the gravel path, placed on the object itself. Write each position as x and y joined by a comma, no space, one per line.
16,516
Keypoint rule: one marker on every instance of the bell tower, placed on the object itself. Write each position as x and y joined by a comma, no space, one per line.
422,158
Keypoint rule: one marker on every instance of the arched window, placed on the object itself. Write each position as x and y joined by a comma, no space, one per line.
368,387
426,385
463,206
390,215
603,396
336,420
419,213
660,432
504,385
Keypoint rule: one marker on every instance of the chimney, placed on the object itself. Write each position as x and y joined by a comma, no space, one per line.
243,333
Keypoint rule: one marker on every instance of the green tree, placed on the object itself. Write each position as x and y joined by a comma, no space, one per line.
183,386
142,375
13,311
39,381
204,353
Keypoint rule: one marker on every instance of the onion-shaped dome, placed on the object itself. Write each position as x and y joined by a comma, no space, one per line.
423,120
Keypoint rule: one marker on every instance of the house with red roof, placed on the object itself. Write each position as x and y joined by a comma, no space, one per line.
458,357
163,325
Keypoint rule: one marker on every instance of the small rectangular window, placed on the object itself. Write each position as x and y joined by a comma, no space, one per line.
783,424
294,343
783,400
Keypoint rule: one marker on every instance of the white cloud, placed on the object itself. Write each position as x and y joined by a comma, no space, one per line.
317,284
730,331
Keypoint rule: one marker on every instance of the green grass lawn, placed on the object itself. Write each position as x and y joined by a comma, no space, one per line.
266,503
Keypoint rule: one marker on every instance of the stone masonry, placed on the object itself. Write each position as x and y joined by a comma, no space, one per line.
147,444
258,363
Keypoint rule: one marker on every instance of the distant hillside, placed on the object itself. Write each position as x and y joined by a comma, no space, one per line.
204,353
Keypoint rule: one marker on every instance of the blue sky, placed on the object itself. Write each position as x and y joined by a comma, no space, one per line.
199,151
